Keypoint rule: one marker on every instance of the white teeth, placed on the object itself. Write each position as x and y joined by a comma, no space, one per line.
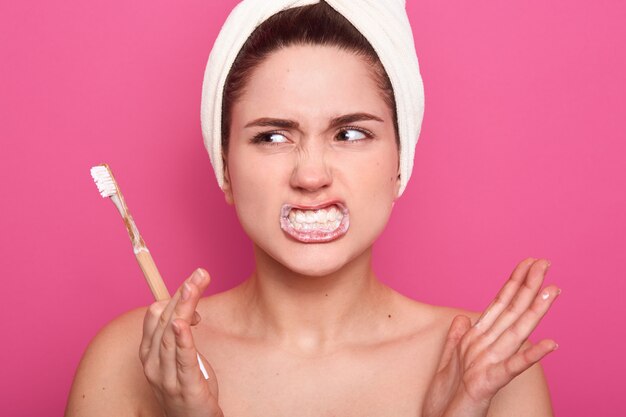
321,219
332,215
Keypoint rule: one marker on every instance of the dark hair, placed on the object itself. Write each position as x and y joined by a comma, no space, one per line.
316,24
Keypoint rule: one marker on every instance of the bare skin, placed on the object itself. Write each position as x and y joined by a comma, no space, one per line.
385,371
313,332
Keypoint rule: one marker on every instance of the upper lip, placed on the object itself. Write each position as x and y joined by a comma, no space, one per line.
316,206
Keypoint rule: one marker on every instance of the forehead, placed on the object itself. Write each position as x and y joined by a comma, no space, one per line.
311,80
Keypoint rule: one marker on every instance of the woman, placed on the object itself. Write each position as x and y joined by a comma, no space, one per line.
312,154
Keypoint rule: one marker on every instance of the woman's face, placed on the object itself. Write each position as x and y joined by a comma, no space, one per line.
312,165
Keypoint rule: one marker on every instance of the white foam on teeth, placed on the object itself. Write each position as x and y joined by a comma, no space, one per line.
326,227
315,216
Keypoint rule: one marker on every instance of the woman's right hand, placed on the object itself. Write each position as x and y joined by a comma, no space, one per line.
169,356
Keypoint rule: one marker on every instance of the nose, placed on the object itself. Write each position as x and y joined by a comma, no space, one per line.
311,171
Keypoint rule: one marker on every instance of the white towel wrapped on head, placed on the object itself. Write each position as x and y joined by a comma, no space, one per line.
384,23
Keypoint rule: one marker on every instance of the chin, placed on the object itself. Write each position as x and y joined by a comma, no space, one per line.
316,260
313,269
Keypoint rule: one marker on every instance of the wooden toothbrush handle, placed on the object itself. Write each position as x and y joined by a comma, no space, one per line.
150,271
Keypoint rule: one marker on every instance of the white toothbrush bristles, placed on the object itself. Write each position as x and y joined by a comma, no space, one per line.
104,181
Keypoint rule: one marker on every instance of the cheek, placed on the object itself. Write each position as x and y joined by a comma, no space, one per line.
254,172
378,185
246,173
381,178
256,190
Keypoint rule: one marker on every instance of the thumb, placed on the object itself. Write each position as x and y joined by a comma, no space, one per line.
459,326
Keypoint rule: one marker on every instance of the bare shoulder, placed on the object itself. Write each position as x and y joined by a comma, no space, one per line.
109,379
428,318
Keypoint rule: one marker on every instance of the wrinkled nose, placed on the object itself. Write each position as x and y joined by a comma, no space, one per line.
311,171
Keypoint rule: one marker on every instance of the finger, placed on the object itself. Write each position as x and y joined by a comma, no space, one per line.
503,373
150,321
523,299
190,294
512,339
505,295
166,316
162,322
188,373
475,341
459,326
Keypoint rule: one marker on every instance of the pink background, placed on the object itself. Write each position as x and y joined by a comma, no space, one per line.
522,154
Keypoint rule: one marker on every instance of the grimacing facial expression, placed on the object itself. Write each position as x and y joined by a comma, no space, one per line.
312,165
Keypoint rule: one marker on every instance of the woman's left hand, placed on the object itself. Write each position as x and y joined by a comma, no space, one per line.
477,361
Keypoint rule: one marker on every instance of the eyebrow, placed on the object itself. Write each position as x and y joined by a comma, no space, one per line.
335,122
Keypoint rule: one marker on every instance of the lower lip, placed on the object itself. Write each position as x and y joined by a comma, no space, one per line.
315,236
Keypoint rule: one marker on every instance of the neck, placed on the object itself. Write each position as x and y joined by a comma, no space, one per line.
313,314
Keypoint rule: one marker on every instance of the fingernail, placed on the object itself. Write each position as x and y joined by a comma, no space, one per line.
198,276
545,295
548,264
556,346
186,292
558,291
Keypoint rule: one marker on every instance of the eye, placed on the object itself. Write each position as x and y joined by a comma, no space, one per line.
269,138
350,134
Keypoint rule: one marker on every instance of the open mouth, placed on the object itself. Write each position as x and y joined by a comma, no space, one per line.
315,224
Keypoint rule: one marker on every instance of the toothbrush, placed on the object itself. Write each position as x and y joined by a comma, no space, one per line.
108,187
